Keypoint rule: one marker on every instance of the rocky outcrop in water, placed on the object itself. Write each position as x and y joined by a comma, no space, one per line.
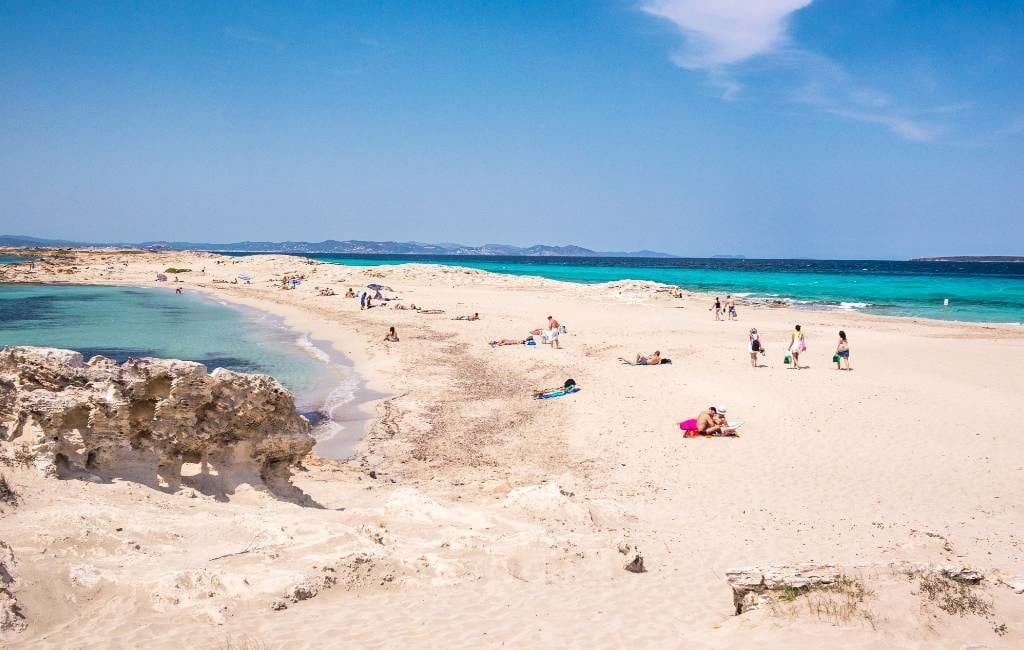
148,419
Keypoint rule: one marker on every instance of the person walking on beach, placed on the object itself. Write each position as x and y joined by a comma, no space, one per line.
843,352
362,300
730,308
718,308
796,346
754,347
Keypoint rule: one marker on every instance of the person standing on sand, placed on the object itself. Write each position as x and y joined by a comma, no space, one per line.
754,347
796,346
843,352
730,308
718,308
554,329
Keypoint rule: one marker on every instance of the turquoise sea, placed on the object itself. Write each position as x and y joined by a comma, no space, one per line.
977,291
122,322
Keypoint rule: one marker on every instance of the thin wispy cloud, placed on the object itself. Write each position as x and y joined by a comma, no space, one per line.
247,35
723,38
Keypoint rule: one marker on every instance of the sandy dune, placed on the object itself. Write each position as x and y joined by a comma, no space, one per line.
473,515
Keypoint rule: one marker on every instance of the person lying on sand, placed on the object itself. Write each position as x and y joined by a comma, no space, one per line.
713,423
567,386
391,336
645,360
473,316
431,311
651,359
506,342
403,307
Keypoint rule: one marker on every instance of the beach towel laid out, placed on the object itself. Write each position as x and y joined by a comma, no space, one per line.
557,393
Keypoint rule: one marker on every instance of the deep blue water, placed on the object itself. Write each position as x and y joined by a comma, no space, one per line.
977,291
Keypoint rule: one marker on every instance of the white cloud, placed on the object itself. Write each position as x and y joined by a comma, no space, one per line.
720,36
719,33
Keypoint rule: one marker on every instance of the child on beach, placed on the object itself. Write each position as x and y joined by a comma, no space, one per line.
843,352
796,346
391,336
754,347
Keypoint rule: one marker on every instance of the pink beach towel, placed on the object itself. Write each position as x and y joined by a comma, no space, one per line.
689,428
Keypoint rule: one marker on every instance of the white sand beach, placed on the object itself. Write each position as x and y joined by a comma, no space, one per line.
475,516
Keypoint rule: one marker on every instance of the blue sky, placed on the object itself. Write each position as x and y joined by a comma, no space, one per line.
776,128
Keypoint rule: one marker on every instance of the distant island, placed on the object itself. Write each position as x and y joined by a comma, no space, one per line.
335,247
970,258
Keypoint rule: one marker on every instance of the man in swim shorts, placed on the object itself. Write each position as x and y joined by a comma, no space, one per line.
712,423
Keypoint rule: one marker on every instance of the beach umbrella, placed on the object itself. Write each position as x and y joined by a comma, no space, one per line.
160,277
378,287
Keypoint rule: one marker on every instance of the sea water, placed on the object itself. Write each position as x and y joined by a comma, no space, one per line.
123,322
977,291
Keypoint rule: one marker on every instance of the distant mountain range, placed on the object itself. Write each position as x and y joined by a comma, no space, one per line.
332,246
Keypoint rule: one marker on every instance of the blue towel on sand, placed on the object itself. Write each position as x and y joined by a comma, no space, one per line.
557,393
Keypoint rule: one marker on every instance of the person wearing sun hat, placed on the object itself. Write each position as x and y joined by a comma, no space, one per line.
754,347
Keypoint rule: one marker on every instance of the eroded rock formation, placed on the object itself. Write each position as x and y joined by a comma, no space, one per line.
11,619
147,418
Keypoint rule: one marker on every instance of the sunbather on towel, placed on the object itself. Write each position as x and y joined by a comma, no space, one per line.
567,387
645,360
713,423
473,316
506,342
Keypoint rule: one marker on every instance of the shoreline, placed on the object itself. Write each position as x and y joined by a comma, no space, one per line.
762,299
466,490
350,417
356,412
